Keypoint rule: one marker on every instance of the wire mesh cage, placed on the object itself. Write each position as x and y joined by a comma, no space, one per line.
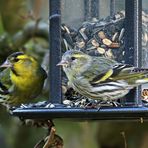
114,29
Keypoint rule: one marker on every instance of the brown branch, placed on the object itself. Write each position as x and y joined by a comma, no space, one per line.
37,8
40,143
49,139
32,29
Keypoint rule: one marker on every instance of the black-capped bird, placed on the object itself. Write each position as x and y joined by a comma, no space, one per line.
27,78
99,77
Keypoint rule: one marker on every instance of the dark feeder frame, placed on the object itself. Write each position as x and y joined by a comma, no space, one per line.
133,110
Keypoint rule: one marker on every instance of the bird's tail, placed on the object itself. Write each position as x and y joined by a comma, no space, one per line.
136,76
143,78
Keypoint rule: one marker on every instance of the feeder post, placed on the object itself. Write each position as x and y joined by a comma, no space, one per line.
55,93
133,39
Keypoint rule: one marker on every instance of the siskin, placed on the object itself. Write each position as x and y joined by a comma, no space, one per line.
99,77
27,78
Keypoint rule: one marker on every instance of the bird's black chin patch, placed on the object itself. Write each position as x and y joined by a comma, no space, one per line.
14,71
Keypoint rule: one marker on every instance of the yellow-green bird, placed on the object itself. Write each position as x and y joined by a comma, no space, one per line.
99,77
27,78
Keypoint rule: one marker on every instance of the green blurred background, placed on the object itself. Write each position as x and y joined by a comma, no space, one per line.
18,31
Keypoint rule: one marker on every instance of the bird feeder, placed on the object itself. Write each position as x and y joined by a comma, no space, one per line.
134,108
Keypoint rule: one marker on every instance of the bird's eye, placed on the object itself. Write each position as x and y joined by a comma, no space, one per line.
73,58
16,60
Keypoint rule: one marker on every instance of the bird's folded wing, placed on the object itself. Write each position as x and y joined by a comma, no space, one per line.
4,93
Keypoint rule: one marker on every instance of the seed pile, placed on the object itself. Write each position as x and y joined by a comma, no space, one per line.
100,38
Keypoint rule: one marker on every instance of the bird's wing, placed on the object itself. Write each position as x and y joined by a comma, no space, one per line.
4,93
3,89
122,72
5,85
5,77
98,68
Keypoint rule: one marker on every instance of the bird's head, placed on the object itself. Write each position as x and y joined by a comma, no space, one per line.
74,60
19,63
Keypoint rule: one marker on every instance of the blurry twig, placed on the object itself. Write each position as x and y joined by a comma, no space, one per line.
124,138
10,44
37,8
32,29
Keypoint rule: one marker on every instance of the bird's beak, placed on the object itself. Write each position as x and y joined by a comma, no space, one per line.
6,64
63,63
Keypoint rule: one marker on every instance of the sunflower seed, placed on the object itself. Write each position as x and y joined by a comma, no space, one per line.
80,44
66,28
64,89
101,34
123,53
66,44
145,37
109,53
121,34
81,31
101,50
95,43
67,102
107,41
115,36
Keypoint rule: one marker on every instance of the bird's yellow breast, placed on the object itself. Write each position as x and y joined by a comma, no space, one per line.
24,83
